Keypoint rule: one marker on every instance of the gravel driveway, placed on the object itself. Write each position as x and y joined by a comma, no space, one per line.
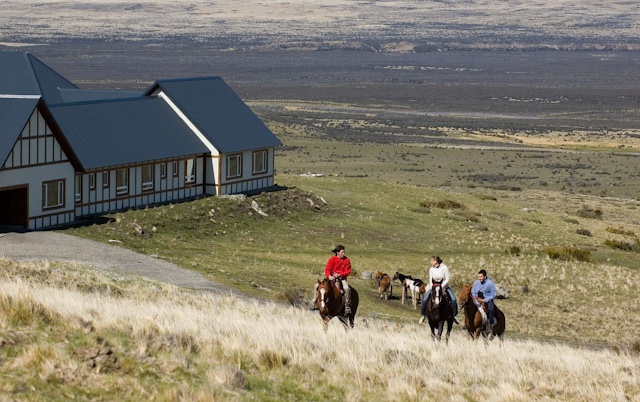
54,246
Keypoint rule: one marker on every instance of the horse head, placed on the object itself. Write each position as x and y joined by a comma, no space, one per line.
464,294
326,293
436,294
396,276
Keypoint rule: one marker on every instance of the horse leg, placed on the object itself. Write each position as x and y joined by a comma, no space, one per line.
449,325
440,330
404,293
325,322
413,299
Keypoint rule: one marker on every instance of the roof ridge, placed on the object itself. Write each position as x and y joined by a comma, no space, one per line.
111,100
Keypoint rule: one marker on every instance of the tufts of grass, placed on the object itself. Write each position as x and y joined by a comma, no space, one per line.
623,245
620,231
567,253
513,251
143,349
588,212
584,232
442,204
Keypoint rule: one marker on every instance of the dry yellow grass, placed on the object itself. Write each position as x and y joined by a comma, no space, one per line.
211,347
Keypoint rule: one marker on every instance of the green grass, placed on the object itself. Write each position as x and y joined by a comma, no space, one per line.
284,253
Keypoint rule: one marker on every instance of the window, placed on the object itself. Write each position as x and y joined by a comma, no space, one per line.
78,188
53,194
147,177
234,166
190,171
163,170
259,162
174,168
105,179
122,181
92,181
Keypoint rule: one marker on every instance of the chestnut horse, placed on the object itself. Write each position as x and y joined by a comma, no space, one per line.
439,312
330,302
385,287
473,317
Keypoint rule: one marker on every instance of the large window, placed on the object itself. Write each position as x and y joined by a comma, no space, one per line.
53,194
190,171
260,162
147,177
234,166
122,181
78,188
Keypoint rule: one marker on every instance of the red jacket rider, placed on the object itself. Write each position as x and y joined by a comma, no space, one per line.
338,265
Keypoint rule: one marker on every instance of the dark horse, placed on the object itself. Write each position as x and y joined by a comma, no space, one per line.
439,312
473,317
330,302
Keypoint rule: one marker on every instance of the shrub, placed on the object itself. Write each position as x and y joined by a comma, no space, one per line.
623,245
442,204
587,212
295,297
571,220
487,197
513,250
583,232
567,253
620,231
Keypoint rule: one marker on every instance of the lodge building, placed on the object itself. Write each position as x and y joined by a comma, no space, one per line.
68,153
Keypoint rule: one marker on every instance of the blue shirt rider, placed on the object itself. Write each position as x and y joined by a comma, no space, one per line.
484,291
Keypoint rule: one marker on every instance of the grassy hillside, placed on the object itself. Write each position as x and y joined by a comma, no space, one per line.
69,332
393,227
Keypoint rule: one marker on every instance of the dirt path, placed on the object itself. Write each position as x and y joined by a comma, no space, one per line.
62,247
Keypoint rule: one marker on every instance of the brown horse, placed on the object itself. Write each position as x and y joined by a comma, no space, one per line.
330,302
385,287
473,317
439,312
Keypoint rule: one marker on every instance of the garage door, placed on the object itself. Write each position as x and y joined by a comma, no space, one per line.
14,207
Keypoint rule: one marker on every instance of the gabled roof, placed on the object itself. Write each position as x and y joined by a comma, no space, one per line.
85,95
14,114
119,132
24,74
218,112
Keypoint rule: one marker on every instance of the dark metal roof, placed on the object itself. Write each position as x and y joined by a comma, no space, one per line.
218,112
120,132
14,114
86,95
24,74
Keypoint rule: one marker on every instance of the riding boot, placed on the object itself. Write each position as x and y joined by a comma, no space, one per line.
347,301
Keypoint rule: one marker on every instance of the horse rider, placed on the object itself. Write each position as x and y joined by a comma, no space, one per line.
483,292
339,267
438,273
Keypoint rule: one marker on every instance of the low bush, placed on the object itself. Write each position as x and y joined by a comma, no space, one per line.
588,212
623,245
620,231
584,232
513,250
487,197
567,253
442,204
